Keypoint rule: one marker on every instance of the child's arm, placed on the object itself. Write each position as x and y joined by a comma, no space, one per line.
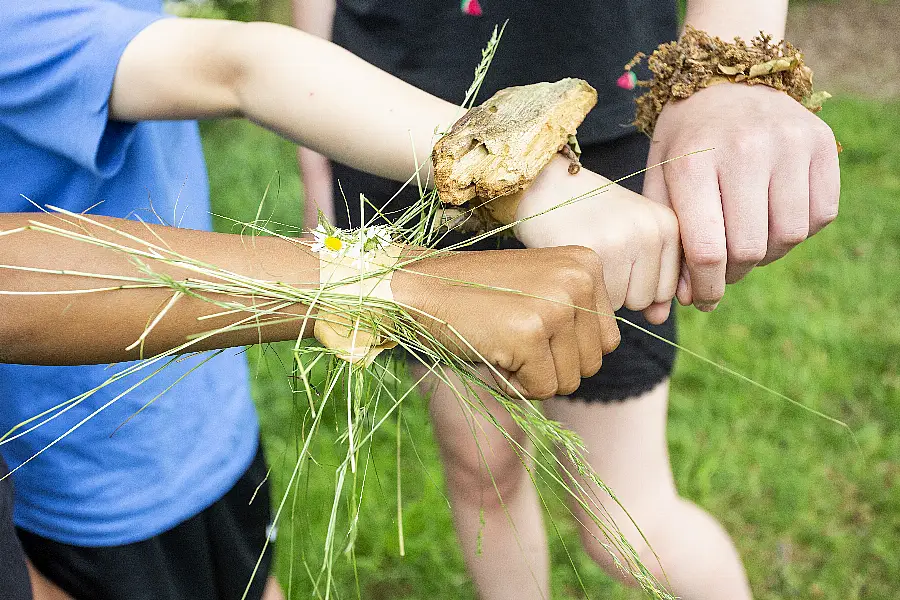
772,181
300,86
316,18
546,346
327,99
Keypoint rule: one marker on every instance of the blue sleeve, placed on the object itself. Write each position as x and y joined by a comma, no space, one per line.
58,59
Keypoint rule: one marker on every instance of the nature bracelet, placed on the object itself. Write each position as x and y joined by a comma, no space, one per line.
699,60
355,268
499,147
493,151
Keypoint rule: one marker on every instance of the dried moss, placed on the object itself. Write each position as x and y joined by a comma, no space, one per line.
699,60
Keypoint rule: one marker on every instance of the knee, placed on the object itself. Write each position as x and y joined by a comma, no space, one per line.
489,476
653,526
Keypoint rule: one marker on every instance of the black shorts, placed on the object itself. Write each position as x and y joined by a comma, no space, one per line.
640,362
208,557
14,581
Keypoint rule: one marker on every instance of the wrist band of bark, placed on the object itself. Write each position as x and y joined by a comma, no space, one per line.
352,334
498,148
699,60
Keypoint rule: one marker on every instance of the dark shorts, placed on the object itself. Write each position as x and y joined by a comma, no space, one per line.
640,362
208,557
14,581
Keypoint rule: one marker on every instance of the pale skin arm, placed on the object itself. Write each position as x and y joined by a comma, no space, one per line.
295,84
772,180
315,17
325,98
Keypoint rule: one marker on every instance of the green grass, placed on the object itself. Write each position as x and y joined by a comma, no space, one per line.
813,515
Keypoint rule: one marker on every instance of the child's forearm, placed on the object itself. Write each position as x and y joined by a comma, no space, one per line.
539,338
298,85
97,327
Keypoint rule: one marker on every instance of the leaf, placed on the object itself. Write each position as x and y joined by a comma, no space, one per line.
815,100
729,70
573,144
785,63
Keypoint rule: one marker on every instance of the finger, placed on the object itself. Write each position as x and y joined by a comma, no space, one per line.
788,205
644,280
658,312
683,291
824,182
598,333
615,279
671,260
566,357
693,189
589,332
609,329
745,206
508,383
670,257
536,377
654,178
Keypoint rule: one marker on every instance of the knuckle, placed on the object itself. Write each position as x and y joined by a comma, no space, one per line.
616,242
668,222
748,254
579,257
751,143
706,254
689,167
790,236
578,280
793,134
554,314
648,230
530,327
820,221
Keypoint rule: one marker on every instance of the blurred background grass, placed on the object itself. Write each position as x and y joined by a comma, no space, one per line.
813,515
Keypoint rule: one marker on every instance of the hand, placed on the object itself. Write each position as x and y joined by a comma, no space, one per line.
636,239
537,339
771,181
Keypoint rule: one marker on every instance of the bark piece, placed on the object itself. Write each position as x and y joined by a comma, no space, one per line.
499,147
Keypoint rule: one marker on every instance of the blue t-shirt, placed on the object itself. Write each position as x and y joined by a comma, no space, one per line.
57,146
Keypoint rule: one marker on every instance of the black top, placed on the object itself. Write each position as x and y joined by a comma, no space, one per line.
435,45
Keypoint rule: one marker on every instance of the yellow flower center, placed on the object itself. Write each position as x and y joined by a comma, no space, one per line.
333,243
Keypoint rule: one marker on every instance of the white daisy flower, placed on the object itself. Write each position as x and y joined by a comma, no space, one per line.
330,243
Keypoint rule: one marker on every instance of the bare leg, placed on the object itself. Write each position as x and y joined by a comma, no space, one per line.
479,463
272,591
626,443
44,589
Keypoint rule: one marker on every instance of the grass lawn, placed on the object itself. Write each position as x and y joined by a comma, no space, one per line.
813,514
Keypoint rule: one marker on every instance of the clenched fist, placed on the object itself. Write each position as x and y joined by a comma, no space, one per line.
519,310
770,181
636,239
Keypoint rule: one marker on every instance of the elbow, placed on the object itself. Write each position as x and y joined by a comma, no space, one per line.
244,47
